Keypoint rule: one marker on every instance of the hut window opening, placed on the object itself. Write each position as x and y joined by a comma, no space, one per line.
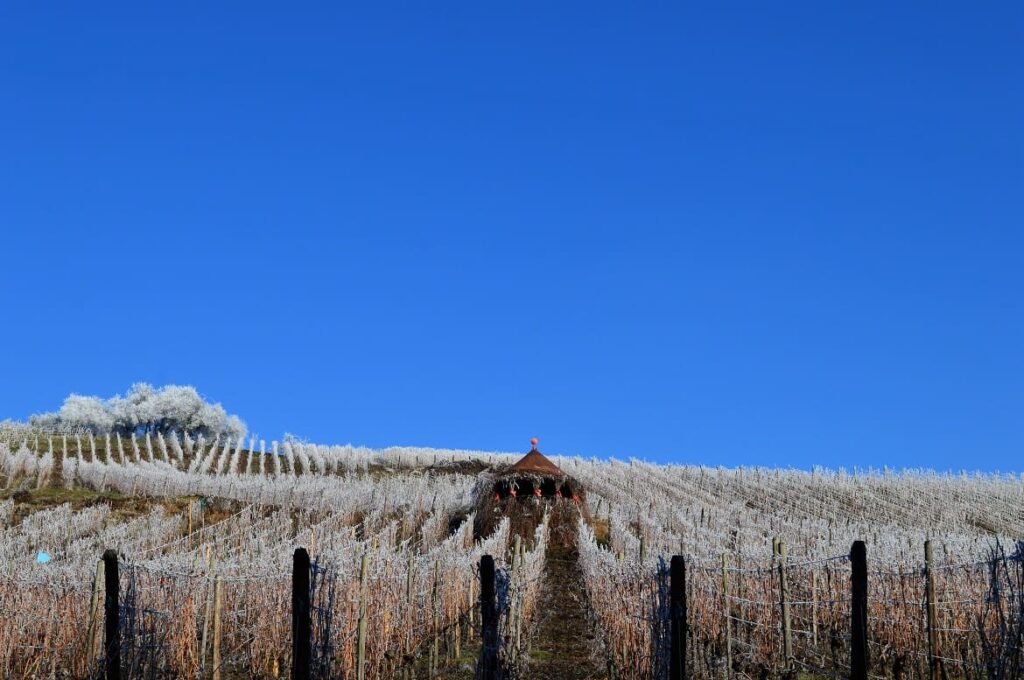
548,488
525,487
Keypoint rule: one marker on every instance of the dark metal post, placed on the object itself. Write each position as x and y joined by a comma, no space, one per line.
301,616
111,623
677,604
488,666
859,611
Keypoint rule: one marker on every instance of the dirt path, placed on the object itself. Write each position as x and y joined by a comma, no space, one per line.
564,646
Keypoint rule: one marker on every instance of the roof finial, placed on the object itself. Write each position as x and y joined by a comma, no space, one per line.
534,443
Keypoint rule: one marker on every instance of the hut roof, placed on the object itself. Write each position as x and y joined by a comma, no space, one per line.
537,463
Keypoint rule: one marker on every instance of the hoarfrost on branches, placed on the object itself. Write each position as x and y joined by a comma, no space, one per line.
143,410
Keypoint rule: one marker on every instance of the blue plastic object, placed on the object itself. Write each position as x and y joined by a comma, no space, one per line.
43,557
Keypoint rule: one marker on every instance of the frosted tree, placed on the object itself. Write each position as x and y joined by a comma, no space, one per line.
89,413
144,409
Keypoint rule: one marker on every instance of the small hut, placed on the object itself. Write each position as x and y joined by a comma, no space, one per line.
534,476
523,492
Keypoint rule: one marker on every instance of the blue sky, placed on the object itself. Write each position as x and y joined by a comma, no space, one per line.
725,234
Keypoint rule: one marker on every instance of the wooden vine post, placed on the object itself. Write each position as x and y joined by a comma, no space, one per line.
859,611
727,617
677,612
434,624
519,611
934,663
217,626
472,609
207,610
814,608
410,566
361,631
95,638
513,614
787,630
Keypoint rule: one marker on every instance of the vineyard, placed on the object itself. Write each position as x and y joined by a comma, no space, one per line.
203,536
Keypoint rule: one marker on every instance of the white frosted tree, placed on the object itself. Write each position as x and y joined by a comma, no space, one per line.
78,411
144,409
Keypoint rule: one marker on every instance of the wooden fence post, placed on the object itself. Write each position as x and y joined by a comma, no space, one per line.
111,626
677,612
488,665
208,610
934,663
814,608
472,609
95,638
217,622
728,620
859,611
361,631
787,630
302,622
519,608
410,565
434,624
513,613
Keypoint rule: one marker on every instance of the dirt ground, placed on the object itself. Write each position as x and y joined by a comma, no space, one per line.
564,645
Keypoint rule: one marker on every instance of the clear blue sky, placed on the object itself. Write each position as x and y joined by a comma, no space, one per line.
783,234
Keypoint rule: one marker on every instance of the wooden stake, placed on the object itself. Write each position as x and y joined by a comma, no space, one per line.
519,606
934,663
216,627
728,620
472,609
95,639
787,631
408,596
514,591
814,608
361,639
208,609
434,625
